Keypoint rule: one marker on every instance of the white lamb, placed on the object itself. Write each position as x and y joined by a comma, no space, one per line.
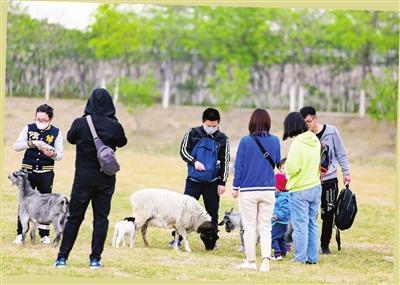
167,209
123,229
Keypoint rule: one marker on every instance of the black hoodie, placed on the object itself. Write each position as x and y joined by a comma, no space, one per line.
102,110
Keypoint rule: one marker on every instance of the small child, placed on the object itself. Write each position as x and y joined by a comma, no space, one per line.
281,214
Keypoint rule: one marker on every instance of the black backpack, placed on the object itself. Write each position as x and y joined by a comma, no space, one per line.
345,211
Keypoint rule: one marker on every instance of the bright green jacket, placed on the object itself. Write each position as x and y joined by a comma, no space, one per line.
303,162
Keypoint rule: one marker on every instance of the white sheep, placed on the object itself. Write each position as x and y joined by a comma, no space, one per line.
168,209
123,229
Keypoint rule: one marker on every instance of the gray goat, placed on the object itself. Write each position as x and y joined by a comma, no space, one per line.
39,208
233,219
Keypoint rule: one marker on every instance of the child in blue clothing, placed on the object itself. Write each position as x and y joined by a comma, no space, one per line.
281,214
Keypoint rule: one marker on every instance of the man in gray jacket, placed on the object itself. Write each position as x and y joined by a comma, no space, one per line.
330,136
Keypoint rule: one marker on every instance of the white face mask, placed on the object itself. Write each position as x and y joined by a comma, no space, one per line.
210,130
41,126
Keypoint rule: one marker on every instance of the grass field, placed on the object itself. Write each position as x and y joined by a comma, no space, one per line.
151,159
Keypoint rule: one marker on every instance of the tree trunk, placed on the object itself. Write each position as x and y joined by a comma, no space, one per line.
167,84
301,97
116,89
362,106
47,88
292,93
103,82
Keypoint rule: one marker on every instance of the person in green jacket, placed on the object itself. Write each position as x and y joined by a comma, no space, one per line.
303,174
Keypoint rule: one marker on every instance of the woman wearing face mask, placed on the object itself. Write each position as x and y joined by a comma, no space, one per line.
43,144
210,190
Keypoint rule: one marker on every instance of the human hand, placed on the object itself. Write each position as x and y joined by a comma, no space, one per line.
48,152
220,189
35,143
346,179
235,193
199,166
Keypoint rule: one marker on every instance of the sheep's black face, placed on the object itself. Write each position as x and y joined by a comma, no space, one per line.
209,239
208,234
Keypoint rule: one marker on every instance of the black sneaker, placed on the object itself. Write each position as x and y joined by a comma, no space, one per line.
325,250
94,263
309,262
60,262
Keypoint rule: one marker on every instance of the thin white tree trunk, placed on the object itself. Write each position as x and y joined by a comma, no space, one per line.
292,93
166,94
167,84
47,90
362,107
301,98
103,83
116,89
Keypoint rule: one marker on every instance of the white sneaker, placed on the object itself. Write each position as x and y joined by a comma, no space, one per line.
264,267
248,265
276,258
45,240
18,239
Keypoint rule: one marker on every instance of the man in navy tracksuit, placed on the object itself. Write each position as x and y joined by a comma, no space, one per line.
211,191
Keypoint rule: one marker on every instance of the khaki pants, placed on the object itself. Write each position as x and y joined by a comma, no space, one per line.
256,208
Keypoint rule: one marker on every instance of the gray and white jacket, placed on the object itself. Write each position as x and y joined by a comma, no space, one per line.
332,138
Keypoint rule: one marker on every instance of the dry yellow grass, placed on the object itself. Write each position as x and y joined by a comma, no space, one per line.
151,159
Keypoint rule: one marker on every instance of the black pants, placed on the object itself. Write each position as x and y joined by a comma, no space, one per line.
81,195
210,196
43,182
328,200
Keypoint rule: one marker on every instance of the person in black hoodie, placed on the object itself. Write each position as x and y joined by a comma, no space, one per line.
90,184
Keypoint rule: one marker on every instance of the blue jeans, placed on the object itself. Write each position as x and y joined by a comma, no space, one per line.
304,207
278,239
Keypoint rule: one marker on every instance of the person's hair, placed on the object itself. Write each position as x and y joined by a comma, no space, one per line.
260,121
308,110
211,114
281,163
293,125
45,109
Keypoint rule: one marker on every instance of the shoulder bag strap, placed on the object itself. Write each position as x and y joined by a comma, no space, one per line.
91,126
264,152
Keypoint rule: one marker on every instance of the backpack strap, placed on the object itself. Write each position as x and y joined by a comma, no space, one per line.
198,130
219,134
91,126
264,152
